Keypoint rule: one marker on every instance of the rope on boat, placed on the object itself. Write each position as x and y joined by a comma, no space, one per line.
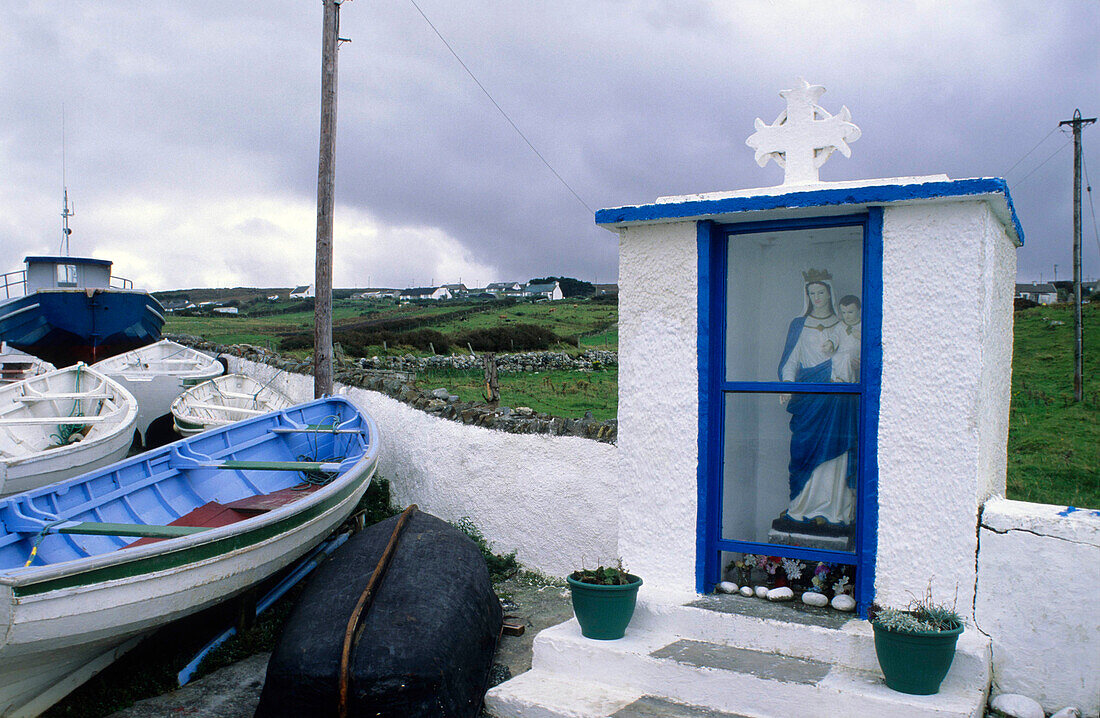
38,539
66,432
351,636
320,478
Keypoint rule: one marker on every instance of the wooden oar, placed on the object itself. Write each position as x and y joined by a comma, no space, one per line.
96,528
270,465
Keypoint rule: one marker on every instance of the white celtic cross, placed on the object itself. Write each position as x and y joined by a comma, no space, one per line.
803,136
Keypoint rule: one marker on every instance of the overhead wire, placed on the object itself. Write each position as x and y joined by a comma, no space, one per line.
1026,154
1092,208
1035,169
499,108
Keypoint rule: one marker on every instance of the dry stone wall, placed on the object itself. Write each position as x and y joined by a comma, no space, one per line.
506,363
396,378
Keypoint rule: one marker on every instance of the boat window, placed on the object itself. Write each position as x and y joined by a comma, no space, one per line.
66,275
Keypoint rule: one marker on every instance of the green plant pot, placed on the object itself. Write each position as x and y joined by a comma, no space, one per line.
915,663
604,611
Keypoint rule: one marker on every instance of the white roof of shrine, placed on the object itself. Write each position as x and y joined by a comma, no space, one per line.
820,198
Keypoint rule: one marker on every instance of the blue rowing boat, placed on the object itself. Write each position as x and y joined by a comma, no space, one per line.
90,565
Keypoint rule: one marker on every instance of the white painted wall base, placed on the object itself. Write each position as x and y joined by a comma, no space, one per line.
1038,582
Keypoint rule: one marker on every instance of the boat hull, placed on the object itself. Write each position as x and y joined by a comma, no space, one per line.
84,622
62,622
66,326
155,379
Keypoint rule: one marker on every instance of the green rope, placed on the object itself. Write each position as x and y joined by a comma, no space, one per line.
66,432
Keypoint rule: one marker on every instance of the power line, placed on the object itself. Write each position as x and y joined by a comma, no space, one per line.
1092,208
1048,159
1030,151
499,108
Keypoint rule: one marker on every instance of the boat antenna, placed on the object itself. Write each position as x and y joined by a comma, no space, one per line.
65,212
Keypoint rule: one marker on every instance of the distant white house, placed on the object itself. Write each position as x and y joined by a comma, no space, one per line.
177,305
303,292
225,310
273,298
1045,293
605,289
505,289
426,293
378,294
551,291
457,290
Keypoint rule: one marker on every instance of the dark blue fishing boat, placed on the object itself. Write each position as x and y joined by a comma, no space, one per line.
70,309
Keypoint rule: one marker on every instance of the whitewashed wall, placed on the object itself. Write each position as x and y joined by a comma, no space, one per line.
659,403
549,498
946,367
1038,581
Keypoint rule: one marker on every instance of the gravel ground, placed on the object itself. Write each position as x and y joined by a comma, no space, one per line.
234,691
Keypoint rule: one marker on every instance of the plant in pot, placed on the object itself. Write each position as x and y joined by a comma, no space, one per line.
916,645
603,600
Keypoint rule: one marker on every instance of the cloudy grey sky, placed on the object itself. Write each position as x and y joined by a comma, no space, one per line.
192,126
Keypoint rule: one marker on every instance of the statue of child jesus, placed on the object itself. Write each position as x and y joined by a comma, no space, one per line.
846,358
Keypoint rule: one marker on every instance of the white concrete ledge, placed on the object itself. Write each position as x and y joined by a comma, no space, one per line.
1062,522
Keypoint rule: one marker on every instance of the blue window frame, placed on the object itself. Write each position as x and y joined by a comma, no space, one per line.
715,386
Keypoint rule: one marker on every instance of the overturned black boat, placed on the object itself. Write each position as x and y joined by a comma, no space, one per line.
406,605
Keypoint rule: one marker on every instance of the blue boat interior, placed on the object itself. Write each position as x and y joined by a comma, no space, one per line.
273,453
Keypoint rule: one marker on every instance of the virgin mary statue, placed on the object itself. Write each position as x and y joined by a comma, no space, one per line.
823,426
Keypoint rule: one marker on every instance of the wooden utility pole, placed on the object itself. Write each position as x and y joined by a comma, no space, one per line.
326,173
1078,343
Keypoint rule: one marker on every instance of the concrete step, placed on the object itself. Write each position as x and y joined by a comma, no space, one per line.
540,694
543,694
792,629
716,677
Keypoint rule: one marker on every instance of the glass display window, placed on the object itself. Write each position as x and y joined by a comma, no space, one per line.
793,305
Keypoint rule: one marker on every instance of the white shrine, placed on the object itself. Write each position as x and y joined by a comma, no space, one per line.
816,372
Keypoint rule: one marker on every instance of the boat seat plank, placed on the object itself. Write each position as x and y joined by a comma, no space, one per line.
223,407
39,420
269,502
70,395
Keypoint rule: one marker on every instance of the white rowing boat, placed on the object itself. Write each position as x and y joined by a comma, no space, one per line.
57,425
223,400
91,565
158,373
17,366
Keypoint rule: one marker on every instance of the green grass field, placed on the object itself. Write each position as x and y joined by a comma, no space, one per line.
560,393
593,322
1053,442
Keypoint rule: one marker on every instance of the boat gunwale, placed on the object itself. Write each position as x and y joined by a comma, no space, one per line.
18,577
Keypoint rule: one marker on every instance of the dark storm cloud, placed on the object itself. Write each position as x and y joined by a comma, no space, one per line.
192,127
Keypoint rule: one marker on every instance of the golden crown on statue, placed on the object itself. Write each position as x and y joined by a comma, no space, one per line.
816,275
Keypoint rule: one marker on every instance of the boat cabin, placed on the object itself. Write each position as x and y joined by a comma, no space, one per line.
67,273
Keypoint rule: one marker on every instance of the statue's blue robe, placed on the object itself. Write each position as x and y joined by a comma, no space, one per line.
823,426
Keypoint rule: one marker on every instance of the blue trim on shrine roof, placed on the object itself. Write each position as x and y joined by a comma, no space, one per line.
839,196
